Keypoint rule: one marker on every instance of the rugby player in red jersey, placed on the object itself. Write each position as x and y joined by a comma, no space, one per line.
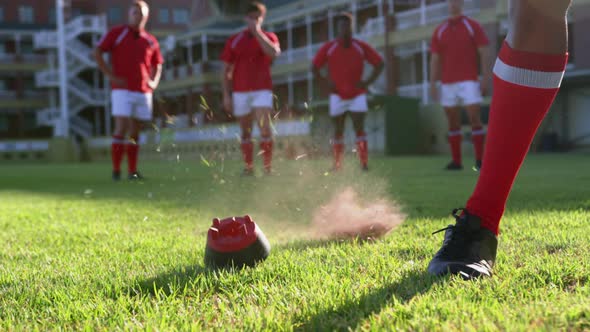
455,47
345,57
247,83
134,72
527,76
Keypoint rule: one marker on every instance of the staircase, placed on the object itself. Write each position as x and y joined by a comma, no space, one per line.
78,58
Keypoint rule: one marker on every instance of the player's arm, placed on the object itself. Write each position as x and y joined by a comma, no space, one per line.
226,78
486,70
105,68
269,47
319,61
155,76
377,69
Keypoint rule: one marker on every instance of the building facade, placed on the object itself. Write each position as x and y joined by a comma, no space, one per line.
190,91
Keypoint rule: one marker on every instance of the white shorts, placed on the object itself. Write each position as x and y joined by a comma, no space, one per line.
137,105
244,102
461,94
339,106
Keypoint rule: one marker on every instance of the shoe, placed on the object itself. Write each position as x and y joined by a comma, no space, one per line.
268,171
478,165
135,176
365,168
468,249
116,176
454,167
248,172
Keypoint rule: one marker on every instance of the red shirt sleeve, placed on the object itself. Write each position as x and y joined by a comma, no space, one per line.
228,55
157,58
108,40
481,39
371,55
435,42
321,57
273,38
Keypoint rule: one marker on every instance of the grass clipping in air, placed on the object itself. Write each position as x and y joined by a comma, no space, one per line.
345,216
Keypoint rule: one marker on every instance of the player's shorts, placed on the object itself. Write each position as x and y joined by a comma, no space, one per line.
244,102
461,94
339,106
132,104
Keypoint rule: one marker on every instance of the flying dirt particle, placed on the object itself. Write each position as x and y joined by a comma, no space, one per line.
344,217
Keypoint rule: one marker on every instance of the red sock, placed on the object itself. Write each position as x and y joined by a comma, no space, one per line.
117,151
266,147
247,152
477,138
338,149
132,155
455,140
525,85
362,148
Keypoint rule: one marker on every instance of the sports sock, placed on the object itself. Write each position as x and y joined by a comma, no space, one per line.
477,138
247,151
132,154
338,151
525,85
117,151
266,147
455,140
362,148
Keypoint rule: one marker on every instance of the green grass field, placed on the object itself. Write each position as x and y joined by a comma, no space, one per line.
81,252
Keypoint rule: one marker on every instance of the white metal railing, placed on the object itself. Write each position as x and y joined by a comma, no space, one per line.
45,39
35,94
46,78
79,25
414,90
432,14
303,8
7,94
297,54
48,116
28,57
87,24
86,92
408,49
373,27
7,57
81,51
31,57
80,126
24,146
182,71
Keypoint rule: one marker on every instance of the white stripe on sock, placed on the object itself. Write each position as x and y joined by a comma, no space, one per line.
527,77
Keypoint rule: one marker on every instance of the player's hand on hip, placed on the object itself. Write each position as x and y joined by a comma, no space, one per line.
434,93
227,104
362,85
152,84
484,86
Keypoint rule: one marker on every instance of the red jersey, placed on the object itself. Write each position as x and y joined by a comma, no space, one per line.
346,64
134,54
456,41
251,65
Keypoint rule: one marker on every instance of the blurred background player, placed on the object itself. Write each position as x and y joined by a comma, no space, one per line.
136,66
247,58
346,58
527,77
455,46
